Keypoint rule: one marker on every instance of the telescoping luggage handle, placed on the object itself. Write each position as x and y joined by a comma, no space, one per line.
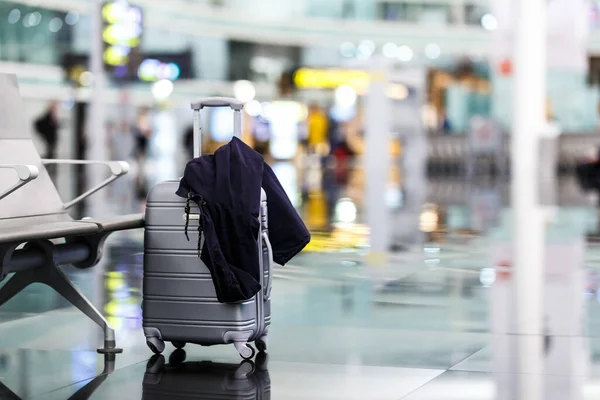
199,104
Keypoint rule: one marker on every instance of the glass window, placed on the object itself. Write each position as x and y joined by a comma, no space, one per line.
412,12
34,35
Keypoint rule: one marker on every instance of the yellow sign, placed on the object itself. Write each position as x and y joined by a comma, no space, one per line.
121,32
308,78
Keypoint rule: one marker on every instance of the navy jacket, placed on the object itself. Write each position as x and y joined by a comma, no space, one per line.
226,187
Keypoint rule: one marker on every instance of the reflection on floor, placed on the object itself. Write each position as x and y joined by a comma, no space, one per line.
417,328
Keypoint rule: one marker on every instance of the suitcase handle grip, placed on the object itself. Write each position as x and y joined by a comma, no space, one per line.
199,104
234,104
267,242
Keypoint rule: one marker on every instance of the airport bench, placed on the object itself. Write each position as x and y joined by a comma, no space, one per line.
37,235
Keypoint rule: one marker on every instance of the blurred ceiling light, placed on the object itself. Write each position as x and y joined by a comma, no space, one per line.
433,51
153,70
116,55
405,53
429,116
345,96
162,89
366,48
86,78
72,17
69,103
487,277
397,91
265,110
393,196
428,221
253,108
292,110
368,44
114,11
259,63
363,55
26,23
14,16
345,211
390,50
34,18
55,24
244,91
489,22
348,49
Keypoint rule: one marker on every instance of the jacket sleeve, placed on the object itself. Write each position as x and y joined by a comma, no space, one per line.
287,232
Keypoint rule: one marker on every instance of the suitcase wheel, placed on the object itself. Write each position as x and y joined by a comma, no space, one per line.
246,351
178,344
177,357
261,344
155,344
155,364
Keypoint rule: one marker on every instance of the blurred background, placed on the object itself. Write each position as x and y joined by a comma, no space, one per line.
448,65
391,124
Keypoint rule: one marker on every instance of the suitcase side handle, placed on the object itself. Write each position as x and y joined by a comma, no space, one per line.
267,242
234,104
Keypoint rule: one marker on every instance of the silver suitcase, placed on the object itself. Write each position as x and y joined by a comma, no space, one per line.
179,299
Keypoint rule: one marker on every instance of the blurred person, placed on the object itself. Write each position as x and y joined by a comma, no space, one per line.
47,126
188,142
317,129
588,171
333,131
120,143
143,133
343,156
446,126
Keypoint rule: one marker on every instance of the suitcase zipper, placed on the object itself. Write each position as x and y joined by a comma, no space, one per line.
260,296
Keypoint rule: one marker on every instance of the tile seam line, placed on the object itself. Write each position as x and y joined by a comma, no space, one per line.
357,365
472,371
42,395
465,358
441,373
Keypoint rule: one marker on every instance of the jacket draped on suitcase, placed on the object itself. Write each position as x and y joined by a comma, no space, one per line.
226,187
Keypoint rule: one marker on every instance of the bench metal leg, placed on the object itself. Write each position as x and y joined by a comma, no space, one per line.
57,280
7,394
14,286
82,394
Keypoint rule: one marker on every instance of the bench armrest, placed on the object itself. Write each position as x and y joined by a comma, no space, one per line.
117,170
25,173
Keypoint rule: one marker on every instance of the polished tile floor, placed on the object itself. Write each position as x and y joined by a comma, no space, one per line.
419,327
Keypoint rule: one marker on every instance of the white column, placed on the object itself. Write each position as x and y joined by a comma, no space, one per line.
95,129
95,135
377,162
458,12
528,226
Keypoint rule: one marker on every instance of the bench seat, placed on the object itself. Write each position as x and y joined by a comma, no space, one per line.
118,223
52,230
32,215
